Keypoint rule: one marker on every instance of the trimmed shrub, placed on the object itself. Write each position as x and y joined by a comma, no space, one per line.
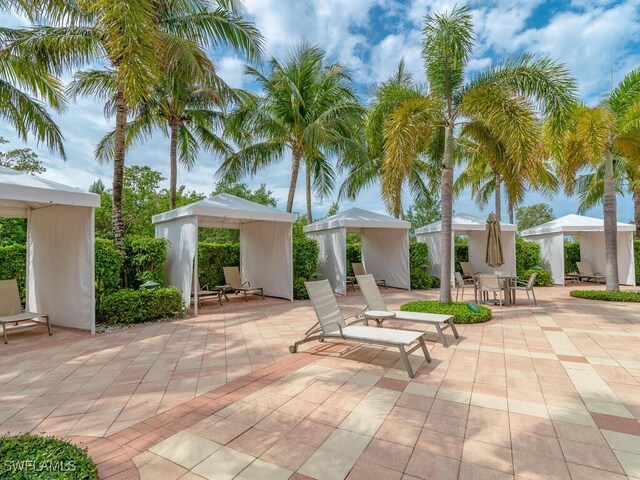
31,456
460,254
144,260
571,256
299,290
527,255
135,306
108,265
542,280
636,254
212,257
420,279
13,264
435,282
606,296
354,255
460,310
305,257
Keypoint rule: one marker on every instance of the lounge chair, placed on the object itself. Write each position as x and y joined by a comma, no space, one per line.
205,293
586,273
358,270
11,310
331,324
232,277
467,270
375,302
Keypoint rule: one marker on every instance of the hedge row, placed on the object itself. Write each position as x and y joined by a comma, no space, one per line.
606,296
460,310
528,262
129,306
13,264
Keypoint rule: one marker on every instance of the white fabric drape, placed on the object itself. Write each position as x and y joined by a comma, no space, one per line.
182,237
433,244
265,257
60,265
385,255
592,250
332,257
551,254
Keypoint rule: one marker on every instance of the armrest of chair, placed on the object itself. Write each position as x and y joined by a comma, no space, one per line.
247,283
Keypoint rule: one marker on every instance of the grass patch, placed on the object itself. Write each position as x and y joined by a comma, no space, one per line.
31,456
460,310
605,296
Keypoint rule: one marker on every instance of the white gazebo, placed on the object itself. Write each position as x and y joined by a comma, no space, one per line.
385,247
60,246
476,231
550,237
265,242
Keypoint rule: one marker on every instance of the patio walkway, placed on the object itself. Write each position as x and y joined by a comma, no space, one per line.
547,392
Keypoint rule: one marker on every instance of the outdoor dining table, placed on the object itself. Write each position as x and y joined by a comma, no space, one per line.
508,283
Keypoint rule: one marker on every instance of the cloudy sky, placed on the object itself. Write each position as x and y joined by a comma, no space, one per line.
596,39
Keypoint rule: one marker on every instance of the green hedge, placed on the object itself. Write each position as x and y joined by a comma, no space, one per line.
354,255
419,275
135,306
13,264
26,457
212,257
107,268
543,279
606,296
460,311
636,254
460,254
571,256
305,263
528,261
144,260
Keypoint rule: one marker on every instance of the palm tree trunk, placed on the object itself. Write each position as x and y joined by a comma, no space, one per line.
636,211
308,188
511,211
446,195
295,169
118,169
498,197
610,224
173,160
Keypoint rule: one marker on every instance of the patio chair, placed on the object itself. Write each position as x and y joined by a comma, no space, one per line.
467,270
331,324
376,303
11,310
461,284
491,284
232,277
586,273
205,293
358,269
528,287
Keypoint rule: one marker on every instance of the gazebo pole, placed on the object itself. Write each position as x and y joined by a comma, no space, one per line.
195,281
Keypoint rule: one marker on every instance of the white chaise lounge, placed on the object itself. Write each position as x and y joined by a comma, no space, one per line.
375,302
332,325
11,310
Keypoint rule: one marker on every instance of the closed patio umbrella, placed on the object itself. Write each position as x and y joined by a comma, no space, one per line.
494,256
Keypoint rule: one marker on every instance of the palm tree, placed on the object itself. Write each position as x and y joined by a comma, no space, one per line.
133,37
24,86
305,107
497,98
362,172
605,138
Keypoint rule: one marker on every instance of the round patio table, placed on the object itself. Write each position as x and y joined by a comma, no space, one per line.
378,315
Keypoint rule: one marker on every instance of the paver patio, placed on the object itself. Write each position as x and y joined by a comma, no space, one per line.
537,393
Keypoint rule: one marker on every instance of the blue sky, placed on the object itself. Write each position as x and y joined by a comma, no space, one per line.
370,37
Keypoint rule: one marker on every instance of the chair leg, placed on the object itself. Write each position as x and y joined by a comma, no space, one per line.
453,328
4,332
457,291
535,302
405,360
48,324
423,345
441,334
528,297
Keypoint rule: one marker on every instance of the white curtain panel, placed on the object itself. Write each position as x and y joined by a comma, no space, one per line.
433,244
592,250
266,258
182,245
332,257
385,255
551,254
60,265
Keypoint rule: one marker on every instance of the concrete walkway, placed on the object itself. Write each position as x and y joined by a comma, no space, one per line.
546,392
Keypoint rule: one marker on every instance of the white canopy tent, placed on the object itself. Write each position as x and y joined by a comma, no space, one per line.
265,242
60,246
550,237
476,230
385,247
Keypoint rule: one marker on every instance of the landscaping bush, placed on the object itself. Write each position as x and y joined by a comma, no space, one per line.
305,257
460,310
571,256
527,255
144,260
30,456
13,264
299,290
107,268
354,255
606,296
134,306
460,254
420,279
543,279
636,254
212,257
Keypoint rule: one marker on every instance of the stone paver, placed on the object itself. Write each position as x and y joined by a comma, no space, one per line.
537,393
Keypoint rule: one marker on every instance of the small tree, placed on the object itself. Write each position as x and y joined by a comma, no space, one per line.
533,215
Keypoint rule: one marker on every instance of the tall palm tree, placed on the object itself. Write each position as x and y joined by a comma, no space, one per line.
362,172
132,37
496,99
599,138
306,107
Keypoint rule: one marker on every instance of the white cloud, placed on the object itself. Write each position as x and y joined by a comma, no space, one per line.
231,70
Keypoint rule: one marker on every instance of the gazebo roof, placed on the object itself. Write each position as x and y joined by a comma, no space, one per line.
357,218
21,192
573,224
462,223
225,210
